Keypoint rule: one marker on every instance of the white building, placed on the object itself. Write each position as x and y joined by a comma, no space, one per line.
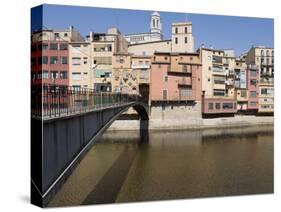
155,33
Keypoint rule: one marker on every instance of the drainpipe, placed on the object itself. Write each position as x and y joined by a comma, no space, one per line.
202,102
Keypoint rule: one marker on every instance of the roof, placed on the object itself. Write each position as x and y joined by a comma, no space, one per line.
155,14
141,33
181,23
177,53
158,41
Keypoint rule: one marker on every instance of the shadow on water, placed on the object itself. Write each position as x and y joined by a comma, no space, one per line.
155,165
107,190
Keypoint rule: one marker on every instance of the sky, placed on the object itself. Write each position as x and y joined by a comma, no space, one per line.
220,32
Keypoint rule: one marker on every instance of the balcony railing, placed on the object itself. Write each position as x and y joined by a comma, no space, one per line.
180,69
50,101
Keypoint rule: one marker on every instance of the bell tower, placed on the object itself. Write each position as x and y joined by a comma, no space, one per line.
155,23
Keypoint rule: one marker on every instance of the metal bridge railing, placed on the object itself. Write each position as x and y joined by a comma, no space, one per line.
48,101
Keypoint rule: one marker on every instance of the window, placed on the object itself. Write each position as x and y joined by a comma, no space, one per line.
253,103
219,80
39,75
166,78
65,34
76,76
33,48
243,93
272,53
176,40
253,94
76,87
262,53
165,94
176,30
267,52
76,60
185,92
45,75
63,46
185,39
63,60
33,61
253,73
45,46
103,60
185,29
57,35
227,105
33,76
43,60
211,106
218,106
63,74
54,75
253,82
264,91
53,46
103,47
219,92
53,60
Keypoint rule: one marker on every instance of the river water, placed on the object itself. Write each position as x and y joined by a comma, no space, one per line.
126,166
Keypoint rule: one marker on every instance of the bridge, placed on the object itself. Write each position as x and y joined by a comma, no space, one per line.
65,123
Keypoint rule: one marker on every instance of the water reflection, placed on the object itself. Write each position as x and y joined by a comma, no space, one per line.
172,165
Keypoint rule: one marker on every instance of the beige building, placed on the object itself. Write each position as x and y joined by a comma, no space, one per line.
263,58
217,82
182,38
80,74
102,48
142,65
148,49
125,79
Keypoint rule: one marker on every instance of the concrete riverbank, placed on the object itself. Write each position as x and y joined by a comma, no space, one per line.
194,123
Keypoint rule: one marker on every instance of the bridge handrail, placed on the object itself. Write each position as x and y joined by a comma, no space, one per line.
49,100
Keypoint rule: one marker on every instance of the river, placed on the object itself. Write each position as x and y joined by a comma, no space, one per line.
127,166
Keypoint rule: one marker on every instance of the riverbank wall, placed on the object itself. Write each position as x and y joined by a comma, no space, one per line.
194,123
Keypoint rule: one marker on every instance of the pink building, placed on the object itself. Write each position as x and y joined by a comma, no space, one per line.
218,107
253,88
175,77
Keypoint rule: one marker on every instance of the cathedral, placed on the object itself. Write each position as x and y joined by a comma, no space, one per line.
155,33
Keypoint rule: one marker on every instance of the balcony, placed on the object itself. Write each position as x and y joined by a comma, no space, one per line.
217,59
266,81
179,70
184,82
218,71
266,74
140,66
